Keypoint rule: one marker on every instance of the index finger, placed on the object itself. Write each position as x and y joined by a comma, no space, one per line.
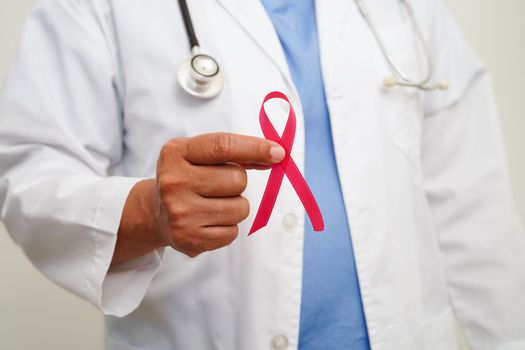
219,148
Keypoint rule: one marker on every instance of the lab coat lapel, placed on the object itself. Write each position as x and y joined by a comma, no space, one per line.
252,17
330,21
350,94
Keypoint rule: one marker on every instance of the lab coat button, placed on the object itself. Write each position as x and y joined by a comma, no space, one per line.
289,222
280,342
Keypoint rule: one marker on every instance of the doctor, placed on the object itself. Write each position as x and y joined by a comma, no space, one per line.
135,195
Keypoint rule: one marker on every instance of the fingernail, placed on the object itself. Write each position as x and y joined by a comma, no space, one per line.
277,153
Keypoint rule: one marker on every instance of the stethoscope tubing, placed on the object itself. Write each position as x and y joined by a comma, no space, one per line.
188,24
399,76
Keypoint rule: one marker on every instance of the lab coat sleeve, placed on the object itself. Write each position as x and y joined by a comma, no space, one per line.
481,240
60,136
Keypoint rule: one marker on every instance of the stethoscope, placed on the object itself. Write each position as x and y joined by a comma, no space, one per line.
399,77
200,75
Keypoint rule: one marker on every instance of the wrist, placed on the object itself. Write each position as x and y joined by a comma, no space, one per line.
150,214
140,230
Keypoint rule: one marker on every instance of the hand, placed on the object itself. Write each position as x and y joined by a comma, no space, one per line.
195,204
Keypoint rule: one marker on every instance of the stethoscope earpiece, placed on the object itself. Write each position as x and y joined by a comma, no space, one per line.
444,85
389,82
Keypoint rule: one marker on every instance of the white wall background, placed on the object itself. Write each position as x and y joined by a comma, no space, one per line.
35,314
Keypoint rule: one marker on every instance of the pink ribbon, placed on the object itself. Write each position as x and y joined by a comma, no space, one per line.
286,166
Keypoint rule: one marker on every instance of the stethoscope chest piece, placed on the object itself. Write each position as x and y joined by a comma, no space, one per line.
200,76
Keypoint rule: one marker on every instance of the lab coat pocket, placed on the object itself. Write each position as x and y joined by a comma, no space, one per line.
402,106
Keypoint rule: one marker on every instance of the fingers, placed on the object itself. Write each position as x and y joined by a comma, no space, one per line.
196,211
219,148
256,166
219,211
207,239
226,180
199,185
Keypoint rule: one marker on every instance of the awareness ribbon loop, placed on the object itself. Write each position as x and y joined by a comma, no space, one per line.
286,166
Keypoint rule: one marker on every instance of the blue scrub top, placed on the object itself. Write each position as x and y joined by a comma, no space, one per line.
332,314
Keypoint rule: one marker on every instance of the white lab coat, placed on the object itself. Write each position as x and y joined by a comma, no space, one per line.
92,96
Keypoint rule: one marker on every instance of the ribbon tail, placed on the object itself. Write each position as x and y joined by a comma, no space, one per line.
305,195
268,200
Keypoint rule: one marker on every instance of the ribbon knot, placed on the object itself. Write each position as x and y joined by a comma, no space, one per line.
286,166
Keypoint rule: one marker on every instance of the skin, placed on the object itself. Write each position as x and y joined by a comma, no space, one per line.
195,203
